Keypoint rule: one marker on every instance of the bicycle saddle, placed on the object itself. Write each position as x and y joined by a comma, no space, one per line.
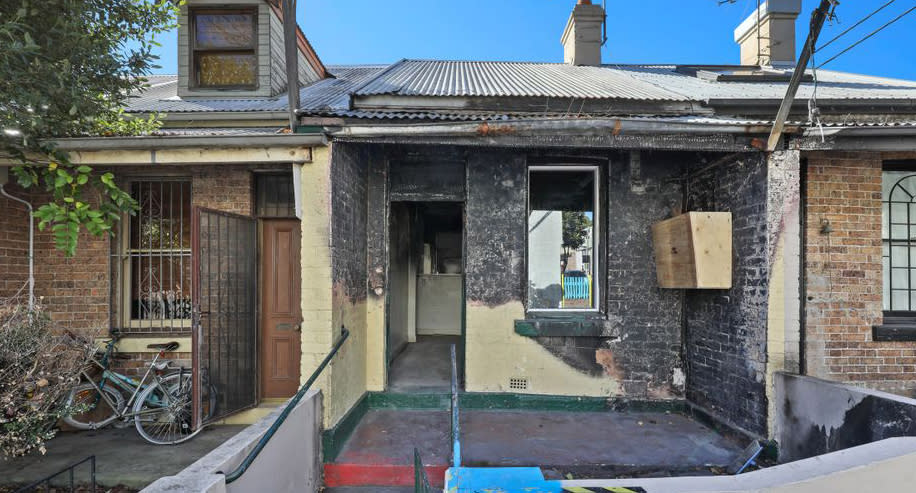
165,346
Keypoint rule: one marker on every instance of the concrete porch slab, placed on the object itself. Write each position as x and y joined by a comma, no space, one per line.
122,457
585,444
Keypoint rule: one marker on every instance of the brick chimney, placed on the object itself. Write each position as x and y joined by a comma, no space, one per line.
583,36
767,36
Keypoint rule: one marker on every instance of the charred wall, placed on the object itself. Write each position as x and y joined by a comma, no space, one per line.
727,329
349,183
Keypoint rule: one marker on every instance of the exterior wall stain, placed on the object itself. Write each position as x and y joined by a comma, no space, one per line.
727,330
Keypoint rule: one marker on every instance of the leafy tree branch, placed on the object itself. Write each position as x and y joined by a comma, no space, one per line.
67,68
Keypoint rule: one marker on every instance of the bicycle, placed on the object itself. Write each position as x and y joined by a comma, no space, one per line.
160,407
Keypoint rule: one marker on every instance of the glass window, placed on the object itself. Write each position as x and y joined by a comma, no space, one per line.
224,48
562,237
155,268
898,234
274,195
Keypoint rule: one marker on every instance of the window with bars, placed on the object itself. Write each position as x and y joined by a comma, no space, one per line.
898,233
152,261
274,196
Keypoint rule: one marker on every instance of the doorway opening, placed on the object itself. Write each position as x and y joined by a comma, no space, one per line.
280,315
425,295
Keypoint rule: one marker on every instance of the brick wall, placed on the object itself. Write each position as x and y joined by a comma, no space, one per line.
76,291
727,330
14,242
843,277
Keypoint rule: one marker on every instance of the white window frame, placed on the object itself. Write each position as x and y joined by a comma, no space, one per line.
596,237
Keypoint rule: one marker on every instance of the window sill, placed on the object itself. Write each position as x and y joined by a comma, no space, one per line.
568,325
897,332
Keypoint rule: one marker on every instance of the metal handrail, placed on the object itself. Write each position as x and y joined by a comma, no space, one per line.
46,481
237,473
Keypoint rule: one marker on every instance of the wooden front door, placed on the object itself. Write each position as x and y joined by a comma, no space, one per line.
281,315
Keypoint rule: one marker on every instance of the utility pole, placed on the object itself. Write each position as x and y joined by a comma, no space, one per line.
291,47
817,22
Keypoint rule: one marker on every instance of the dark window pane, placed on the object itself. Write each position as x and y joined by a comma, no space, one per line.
224,31
275,196
226,69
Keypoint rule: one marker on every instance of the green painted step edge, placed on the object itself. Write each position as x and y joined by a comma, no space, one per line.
333,440
529,402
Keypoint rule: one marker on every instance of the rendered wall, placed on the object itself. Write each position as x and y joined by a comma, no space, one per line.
818,416
290,461
348,174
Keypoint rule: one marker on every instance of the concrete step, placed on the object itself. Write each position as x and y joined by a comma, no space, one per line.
378,475
370,489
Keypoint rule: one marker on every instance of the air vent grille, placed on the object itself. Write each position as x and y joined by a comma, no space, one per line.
518,383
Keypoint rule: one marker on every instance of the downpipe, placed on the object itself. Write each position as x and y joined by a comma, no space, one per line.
31,244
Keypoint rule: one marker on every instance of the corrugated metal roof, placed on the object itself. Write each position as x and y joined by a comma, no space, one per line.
332,97
518,79
162,95
831,85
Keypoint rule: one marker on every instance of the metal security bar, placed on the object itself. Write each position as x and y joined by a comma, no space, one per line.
151,264
420,478
899,246
44,484
225,338
456,425
275,196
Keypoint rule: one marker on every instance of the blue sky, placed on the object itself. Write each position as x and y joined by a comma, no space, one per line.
645,31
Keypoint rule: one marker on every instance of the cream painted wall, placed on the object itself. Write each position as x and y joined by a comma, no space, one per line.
495,353
317,319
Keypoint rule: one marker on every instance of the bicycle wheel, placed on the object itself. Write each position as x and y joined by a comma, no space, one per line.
162,413
96,411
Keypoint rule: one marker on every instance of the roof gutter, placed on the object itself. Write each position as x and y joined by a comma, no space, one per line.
189,141
605,126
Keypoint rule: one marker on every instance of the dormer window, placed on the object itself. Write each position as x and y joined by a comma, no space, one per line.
224,48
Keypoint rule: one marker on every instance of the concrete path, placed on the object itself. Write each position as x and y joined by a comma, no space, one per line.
423,366
562,440
122,457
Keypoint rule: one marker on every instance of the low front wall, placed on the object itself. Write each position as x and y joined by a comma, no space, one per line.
817,416
290,461
883,466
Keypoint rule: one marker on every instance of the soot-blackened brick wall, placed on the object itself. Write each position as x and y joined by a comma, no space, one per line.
643,188
496,228
349,179
726,330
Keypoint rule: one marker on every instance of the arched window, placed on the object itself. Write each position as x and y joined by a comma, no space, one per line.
898,234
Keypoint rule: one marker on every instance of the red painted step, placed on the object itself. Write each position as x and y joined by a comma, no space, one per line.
348,474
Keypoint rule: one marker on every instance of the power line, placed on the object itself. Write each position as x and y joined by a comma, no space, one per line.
876,31
857,24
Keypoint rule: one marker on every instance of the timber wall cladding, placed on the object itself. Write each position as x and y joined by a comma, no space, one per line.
843,277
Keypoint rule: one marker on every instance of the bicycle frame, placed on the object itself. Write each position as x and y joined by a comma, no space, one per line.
126,383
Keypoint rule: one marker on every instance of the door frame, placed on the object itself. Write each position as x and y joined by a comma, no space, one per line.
461,349
260,300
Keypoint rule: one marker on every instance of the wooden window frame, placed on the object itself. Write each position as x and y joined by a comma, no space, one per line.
195,52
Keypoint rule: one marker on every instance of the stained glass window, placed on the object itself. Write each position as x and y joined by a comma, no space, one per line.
224,49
